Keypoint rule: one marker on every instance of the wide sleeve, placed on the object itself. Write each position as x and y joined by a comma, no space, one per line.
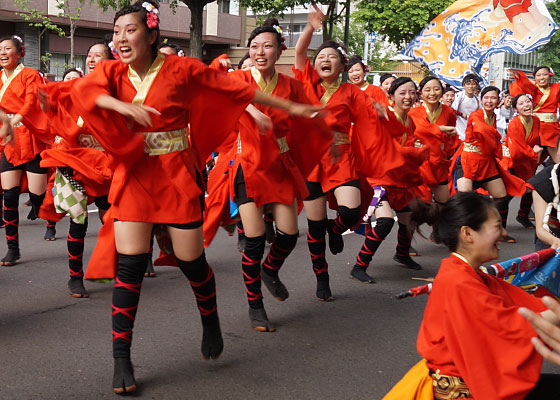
523,85
63,120
310,79
110,128
518,146
216,106
490,342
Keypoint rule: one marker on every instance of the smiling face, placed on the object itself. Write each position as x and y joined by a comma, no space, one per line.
386,84
507,101
247,64
264,52
431,92
356,74
484,242
328,64
404,97
9,55
490,101
448,98
97,53
470,87
542,78
133,41
524,106
72,75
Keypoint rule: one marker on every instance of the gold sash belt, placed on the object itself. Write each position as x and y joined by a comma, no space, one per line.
86,140
12,116
341,138
547,117
449,387
471,148
283,144
158,143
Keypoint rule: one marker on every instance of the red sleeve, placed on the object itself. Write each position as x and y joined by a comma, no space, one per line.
216,65
523,85
518,146
62,114
310,80
490,342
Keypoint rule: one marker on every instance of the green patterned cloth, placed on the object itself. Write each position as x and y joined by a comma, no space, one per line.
69,197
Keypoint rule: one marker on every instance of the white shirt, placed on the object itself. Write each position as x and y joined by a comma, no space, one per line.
465,105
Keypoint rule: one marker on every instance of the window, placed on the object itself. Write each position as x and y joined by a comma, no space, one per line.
61,62
223,6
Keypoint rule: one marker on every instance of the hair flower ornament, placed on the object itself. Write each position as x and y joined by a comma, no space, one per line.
344,56
152,15
114,51
20,40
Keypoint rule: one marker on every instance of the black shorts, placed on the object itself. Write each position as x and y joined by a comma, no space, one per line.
459,173
240,195
30,166
315,190
102,202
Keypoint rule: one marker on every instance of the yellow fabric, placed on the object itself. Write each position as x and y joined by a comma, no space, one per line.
415,385
267,88
158,143
6,81
547,117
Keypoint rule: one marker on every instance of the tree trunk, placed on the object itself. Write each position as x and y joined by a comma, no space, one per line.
72,31
195,46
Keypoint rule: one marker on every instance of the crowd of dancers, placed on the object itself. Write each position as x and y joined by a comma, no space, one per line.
139,145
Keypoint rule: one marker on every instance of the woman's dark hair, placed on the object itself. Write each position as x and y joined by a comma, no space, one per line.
516,99
541,67
106,48
356,59
398,83
384,77
464,209
428,79
245,57
489,89
138,8
173,46
72,70
269,25
331,44
449,88
18,43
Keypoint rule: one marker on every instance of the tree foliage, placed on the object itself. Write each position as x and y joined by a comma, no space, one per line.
73,14
549,54
399,20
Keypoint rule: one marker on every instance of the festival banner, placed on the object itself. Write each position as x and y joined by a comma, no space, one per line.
462,37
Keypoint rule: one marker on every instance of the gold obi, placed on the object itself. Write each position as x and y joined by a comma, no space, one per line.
283,144
86,140
547,117
12,116
341,138
471,148
158,143
449,387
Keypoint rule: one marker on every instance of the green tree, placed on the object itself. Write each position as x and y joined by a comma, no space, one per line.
195,6
273,8
399,20
38,19
549,52
73,14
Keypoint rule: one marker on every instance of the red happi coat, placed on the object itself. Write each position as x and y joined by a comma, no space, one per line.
484,163
545,101
377,94
520,140
18,96
471,329
163,188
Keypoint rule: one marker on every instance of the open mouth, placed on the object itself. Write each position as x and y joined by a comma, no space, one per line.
125,51
261,61
326,68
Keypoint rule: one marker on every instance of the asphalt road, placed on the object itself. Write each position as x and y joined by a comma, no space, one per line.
53,346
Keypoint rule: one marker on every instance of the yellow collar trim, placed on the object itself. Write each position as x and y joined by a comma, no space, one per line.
528,127
6,81
406,122
546,93
143,86
364,85
269,87
433,116
489,120
460,257
329,91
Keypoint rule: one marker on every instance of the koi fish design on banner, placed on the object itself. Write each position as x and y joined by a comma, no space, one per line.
461,38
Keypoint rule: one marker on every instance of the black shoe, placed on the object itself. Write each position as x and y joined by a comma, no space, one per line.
270,232
212,342
241,243
525,221
509,239
336,242
259,320
10,258
407,262
150,273
274,286
359,273
123,377
323,292
50,234
77,289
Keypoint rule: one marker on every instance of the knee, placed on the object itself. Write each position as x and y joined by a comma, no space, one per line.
383,227
132,267
78,231
349,216
11,197
287,242
254,247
